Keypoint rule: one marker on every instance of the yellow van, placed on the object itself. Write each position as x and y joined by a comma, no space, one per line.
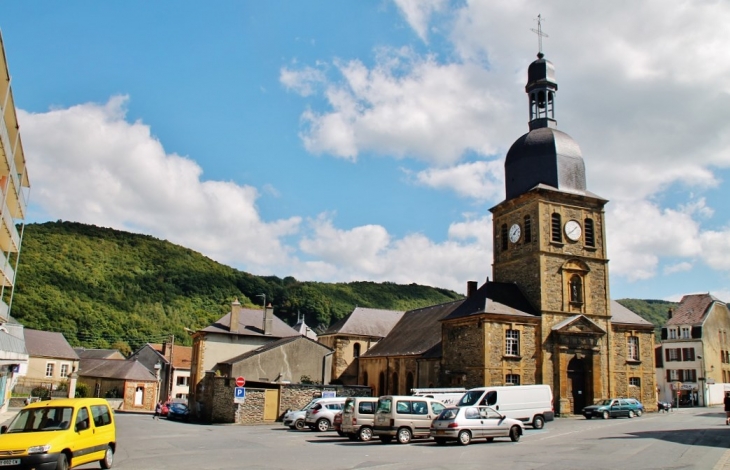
59,434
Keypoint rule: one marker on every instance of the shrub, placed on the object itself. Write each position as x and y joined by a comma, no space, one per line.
40,392
82,390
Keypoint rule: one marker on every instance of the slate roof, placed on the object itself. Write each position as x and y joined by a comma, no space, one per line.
84,353
250,323
503,298
418,332
372,322
624,316
48,344
692,309
115,369
181,355
270,346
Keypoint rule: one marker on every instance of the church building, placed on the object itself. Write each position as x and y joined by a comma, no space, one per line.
546,317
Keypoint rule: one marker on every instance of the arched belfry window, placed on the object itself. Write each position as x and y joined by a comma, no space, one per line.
556,228
576,289
590,236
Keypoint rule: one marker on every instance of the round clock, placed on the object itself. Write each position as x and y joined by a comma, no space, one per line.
514,233
573,230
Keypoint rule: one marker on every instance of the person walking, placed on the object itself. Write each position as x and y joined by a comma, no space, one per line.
158,411
726,402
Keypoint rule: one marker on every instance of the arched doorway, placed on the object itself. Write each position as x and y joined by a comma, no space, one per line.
577,379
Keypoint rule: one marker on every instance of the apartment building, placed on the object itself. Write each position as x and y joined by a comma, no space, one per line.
14,186
693,360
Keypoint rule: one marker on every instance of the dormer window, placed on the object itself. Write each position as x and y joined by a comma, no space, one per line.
672,333
685,332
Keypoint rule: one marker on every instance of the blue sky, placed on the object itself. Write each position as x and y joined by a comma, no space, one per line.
350,140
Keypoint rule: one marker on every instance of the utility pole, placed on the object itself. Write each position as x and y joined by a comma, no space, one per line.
171,368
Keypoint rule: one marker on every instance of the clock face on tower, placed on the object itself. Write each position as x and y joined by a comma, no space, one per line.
514,233
573,230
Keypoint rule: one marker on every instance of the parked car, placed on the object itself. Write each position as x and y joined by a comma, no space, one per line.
295,418
178,412
60,434
357,417
463,424
404,417
613,408
322,414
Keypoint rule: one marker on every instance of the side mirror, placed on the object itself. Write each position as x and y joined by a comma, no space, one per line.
3,429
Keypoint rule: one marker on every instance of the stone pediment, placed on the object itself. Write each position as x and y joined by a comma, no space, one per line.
578,325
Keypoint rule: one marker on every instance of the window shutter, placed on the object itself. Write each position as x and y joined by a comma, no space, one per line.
697,332
691,354
685,355
666,354
664,333
669,375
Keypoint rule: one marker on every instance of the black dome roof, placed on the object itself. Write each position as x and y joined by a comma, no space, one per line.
544,155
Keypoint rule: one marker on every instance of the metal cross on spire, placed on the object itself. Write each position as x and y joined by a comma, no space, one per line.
539,33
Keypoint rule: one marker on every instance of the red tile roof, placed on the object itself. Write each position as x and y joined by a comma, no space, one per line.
181,355
692,309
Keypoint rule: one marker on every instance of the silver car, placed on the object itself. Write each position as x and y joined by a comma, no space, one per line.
474,422
295,418
321,415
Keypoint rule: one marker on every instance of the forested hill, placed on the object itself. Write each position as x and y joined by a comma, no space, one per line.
106,288
653,310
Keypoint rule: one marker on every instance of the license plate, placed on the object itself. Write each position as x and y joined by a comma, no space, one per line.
440,431
9,462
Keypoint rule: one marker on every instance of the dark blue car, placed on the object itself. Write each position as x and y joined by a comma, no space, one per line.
178,411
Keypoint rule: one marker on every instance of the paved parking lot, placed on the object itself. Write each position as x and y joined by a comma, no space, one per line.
693,438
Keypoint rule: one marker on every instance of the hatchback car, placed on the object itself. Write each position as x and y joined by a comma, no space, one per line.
613,408
463,424
60,434
295,418
322,414
178,412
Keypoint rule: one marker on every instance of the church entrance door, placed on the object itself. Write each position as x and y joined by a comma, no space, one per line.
577,378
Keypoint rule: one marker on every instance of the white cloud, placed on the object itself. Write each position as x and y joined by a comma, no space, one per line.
677,268
303,81
481,181
88,164
715,249
418,13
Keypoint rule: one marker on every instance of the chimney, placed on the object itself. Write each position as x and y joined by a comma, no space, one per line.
471,287
669,314
164,349
268,319
235,316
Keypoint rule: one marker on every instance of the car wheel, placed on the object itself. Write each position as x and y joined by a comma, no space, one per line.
365,434
386,439
639,413
631,413
606,415
440,441
490,439
323,425
404,436
464,437
62,462
538,422
298,425
108,459
514,433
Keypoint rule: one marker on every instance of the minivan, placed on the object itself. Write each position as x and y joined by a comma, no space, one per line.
60,434
357,418
405,417
531,404
322,414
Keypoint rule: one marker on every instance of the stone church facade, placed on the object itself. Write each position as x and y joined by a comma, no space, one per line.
547,316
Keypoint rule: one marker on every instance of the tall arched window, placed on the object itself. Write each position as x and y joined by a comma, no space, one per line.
394,384
365,379
356,350
576,289
409,383
381,385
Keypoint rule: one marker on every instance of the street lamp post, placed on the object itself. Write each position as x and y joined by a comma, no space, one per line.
703,381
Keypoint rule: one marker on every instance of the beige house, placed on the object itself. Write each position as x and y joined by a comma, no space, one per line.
51,361
236,333
354,335
693,359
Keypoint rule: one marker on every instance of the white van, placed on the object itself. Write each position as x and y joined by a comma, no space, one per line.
447,396
531,404
405,417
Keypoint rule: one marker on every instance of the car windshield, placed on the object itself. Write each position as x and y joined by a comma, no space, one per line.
42,419
606,402
471,398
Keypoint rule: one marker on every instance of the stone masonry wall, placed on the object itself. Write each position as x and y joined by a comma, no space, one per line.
643,369
463,354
